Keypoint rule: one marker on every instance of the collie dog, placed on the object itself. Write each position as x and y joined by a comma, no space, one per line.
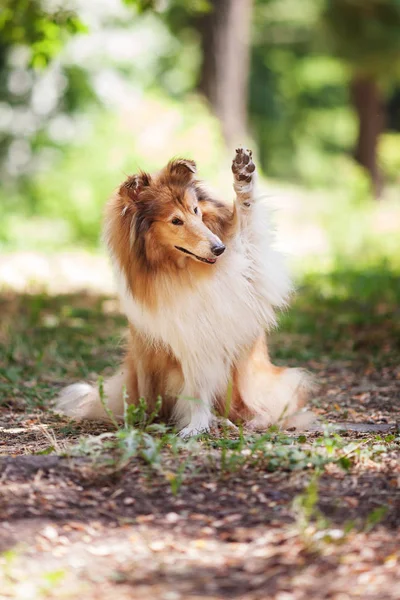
199,282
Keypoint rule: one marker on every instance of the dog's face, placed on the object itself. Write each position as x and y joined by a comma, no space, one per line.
180,229
167,219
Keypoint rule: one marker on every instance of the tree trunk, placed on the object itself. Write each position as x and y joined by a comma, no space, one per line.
225,41
370,110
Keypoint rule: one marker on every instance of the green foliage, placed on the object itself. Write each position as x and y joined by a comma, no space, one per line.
136,415
65,201
12,578
35,87
36,25
104,404
305,504
276,451
298,93
140,437
185,7
363,300
389,157
375,517
54,186
303,57
366,34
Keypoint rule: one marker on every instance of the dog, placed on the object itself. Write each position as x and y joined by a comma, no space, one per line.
199,282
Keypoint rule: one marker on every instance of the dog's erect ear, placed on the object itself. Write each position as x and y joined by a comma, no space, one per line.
132,186
182,169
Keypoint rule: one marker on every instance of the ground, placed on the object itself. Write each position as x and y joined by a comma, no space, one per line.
100,511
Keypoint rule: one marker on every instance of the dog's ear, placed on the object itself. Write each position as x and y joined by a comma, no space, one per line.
182,169
131,188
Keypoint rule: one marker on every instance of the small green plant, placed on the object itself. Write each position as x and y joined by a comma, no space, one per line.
272,450
314,528
7,560
305,504
51,580
140,436
136,415
104,404
11,576
375,517
183,453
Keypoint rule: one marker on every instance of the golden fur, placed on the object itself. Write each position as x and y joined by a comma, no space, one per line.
145,204
165,234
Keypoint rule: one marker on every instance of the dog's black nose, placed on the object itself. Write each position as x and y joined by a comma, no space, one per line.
218,249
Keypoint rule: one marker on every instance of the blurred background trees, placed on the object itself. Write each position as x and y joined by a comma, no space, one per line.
91,89
225,34
366,36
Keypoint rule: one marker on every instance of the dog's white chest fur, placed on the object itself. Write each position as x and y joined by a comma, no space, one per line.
208,326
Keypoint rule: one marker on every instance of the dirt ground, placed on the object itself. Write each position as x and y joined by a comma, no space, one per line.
274,515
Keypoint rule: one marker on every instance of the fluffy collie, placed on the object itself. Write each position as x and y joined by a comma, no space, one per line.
199,282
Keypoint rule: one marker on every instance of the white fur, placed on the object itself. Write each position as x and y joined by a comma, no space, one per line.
275,399
207,328
82,401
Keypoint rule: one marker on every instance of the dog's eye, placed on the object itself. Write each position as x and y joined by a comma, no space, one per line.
176,221
196,210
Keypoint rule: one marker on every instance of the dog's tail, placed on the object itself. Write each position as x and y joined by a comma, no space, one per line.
287,394
85,401
271,395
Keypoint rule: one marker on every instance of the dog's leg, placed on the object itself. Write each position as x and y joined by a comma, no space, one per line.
263,393
243,169
192,414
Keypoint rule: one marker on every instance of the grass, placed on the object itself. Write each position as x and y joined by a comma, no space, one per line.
345,314
46,341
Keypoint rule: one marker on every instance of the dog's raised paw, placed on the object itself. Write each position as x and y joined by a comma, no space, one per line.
243,166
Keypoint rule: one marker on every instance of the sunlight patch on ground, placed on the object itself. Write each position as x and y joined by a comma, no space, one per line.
57,273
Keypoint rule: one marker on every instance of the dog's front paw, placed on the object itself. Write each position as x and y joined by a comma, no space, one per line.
192,430
243,166
243,170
